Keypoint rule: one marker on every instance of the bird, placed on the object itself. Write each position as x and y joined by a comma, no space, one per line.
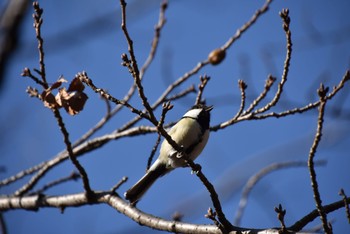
191,133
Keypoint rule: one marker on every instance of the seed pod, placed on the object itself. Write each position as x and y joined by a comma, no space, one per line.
216,56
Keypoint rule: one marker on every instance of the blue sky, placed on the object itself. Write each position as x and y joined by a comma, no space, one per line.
89,38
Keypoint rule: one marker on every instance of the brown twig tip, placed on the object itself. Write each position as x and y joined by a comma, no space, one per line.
322,91
280,215
216,56
347,75
270,81
167,106
286,19
26,72
37,15
242,85
39,11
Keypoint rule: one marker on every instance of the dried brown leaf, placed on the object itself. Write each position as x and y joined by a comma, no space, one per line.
48,99
72,102
76,103
76,85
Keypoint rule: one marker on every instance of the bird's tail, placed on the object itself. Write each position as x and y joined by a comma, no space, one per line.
138,190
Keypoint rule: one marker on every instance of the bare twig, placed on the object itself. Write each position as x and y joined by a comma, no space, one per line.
242,87
27,73
268,84
213,195
247,25
166,107
155,42
37,25
155,105
83,148
120,182
73,176
248,114
174,97
85,79
135,69
300,224
253,180
346,204
322,92
153,152
298,110
286,22
21,174
204,80
280,215
24,189
73,157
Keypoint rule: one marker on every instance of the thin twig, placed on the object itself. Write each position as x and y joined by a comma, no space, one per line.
24,189
204,80
73,176
85,79
37,25
268,84
153,152
346,204
213,194
248,114
310,217
86,147
71,155
323,216
120,182
22,174
280,215
166,107
183,93
247,25
155,41
156,105
27,73
135,69
298,110
253,180
286,23
242,87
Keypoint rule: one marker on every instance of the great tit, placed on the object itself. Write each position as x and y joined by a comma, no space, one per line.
191,132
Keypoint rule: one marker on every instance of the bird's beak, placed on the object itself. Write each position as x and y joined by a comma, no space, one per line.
209,108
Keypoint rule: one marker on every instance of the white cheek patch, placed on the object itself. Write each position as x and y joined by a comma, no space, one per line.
193,113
